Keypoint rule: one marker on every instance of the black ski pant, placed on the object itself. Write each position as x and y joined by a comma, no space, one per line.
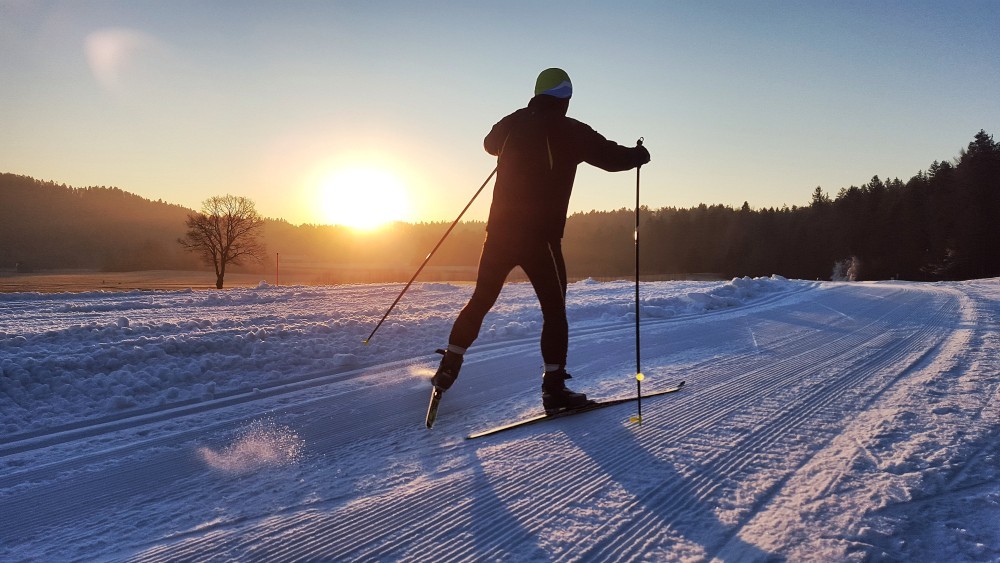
542,261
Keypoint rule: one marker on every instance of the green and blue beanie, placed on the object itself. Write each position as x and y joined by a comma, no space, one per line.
554,82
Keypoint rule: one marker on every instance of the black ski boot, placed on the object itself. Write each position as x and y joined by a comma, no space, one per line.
447,372
556,396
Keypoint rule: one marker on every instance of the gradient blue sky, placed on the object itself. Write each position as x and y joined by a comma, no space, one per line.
738,101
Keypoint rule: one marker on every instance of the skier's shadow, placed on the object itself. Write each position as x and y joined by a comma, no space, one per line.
656,484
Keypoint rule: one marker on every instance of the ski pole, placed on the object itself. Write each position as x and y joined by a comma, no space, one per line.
431,253
638,369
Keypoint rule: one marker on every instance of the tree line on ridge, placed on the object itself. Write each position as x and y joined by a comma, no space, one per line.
938,225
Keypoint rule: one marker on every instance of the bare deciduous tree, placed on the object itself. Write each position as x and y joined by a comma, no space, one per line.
226,231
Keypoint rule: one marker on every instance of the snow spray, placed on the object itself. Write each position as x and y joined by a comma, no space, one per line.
258,445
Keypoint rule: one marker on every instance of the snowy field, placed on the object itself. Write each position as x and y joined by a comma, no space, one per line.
820,421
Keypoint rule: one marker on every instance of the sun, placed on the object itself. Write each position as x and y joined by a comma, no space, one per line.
363,198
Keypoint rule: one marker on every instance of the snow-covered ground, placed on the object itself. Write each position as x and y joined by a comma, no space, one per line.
820,421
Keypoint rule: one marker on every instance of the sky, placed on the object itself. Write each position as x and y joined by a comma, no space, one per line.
324,112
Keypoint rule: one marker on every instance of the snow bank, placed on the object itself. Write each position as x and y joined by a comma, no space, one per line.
79,356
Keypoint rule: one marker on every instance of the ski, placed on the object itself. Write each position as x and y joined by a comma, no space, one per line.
432,408
569,412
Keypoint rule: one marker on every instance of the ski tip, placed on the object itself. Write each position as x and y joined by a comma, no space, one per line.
365,342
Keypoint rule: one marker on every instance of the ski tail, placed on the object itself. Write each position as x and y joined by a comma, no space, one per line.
432,408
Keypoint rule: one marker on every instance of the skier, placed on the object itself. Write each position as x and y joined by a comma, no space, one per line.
538,149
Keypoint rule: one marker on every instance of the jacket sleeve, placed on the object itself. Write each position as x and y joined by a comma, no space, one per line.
605,154
494,141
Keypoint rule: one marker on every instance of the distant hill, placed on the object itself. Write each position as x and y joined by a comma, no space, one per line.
45,225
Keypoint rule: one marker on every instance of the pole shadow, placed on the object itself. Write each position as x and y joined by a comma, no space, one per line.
498,533
666,498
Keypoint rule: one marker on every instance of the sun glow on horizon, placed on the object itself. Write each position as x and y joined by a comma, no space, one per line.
362,197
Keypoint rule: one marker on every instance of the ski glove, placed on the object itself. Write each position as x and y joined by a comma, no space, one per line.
642,155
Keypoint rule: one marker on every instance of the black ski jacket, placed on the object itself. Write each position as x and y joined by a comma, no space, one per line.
538,150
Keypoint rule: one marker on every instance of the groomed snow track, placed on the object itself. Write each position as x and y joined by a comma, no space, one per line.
786,401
